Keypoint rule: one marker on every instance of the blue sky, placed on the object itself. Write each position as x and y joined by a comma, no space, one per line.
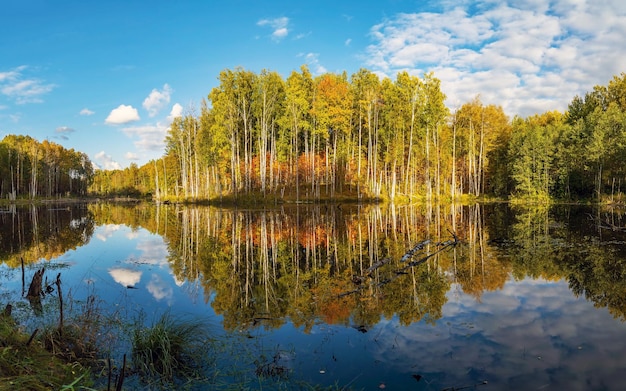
106,77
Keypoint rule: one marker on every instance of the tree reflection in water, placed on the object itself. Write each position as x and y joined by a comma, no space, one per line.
289,267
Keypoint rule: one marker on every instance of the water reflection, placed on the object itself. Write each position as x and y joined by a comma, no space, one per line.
525,301
33,233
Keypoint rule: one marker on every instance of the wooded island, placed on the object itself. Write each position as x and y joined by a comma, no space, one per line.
362,138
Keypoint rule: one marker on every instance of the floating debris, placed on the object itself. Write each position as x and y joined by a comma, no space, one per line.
360,328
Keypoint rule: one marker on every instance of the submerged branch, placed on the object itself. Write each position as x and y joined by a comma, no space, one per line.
358,280
409,254
606,224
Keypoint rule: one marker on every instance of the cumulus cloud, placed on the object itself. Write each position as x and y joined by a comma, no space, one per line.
86,111
528,57
104,232
122,114
131,156
148,137
125,277
529,334
106,162
160,289
154,252
157,100
16,85
278,26
177,111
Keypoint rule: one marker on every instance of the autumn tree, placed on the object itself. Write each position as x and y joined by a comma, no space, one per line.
296,123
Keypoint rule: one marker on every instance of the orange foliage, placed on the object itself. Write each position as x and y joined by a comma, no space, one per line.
336,311
305,166
318,236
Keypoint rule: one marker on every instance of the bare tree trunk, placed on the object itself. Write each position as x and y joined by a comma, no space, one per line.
453,182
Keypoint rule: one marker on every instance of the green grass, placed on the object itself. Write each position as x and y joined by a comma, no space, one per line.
175,352
170,350
25,366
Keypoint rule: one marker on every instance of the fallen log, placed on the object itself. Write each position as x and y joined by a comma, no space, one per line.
376,265
441,246
409,254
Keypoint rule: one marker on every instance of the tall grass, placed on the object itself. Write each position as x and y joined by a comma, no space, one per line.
26,365
171,349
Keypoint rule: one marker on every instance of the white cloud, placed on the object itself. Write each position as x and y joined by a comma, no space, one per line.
125,277
312,60
526,335
104,232
86,111
278,25
64,129
160,289
528,57
131,156
301,36
106,162
154,252
16,86
9,75
157,100
148,137
177,111
122,114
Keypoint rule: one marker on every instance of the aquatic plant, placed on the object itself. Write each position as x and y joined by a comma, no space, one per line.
171,349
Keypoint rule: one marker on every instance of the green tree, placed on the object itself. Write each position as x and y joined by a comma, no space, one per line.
296,121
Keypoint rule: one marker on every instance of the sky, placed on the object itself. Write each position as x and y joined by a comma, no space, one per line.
107,77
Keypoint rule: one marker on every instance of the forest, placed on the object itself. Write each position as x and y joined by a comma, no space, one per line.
334,136
30,169
358,137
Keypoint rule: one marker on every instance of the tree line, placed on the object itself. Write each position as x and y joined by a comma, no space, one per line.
364,137
30,169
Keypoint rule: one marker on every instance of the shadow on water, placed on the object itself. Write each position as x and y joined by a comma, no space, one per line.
364,296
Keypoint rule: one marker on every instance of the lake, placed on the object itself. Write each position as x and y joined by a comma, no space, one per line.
420,297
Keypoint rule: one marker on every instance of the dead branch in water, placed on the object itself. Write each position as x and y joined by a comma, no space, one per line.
606,224
376,265
441,246
23,279
58,282
409,254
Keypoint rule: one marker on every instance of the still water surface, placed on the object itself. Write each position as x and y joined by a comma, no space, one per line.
529,299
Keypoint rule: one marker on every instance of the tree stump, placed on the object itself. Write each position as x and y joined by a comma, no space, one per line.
34,290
